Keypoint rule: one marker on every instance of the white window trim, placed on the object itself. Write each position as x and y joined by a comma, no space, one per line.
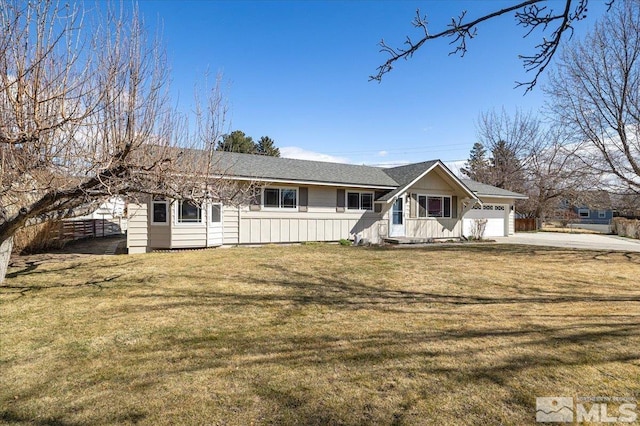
360,193
166,206
450,197
210,218
177,216
580,211
280,209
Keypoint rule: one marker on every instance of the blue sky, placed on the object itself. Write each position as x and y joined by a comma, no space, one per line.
297,71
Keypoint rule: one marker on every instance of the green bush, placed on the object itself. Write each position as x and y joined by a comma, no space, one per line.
345,242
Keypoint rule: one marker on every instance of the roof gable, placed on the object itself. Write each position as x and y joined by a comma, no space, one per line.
408,175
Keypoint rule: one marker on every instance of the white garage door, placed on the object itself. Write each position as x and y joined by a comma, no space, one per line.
496,216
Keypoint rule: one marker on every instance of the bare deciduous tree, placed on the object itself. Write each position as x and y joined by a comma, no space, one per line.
512,141
595,93
84,115
532,15
540,161
555,173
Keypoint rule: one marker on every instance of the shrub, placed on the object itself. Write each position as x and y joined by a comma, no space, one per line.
345,242
37,238
477,228
626,227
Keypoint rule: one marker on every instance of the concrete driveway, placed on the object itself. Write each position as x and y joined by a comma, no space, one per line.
579,241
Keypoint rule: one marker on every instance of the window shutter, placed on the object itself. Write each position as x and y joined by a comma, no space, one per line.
454,206
340,200
413,205
303,199
256,199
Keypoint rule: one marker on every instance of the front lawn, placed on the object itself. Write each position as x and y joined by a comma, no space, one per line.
317,335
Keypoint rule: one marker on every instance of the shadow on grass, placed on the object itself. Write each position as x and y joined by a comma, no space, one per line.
312,370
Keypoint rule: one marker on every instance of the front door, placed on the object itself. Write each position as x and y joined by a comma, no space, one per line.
396,227
214,225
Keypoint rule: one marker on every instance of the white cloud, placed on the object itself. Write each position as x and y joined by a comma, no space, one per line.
383,154
303,154
455,167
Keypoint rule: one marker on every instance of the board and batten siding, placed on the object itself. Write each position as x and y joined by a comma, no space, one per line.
433,184
289,227
137,233
434,227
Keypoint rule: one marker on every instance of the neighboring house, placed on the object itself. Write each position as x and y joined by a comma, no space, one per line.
589,208
299,200
110,209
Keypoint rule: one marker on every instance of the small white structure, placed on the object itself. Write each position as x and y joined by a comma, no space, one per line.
301,200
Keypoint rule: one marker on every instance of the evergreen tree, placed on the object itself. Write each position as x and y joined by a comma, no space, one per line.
477,166
507,171
266,146
237,141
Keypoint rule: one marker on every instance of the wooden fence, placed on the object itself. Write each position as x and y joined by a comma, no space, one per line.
88,228
527,224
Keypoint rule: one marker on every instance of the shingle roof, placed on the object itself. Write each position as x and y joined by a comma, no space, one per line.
405,174
489,190
266,168
263,167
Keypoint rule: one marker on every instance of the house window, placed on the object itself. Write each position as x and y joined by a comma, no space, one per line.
216,213
602,214
189,212
429,206
583,213
160,212
359,200
280,198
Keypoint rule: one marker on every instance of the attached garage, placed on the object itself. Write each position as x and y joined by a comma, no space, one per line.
496,215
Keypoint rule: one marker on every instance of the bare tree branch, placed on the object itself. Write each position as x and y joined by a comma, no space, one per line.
529,14
595,93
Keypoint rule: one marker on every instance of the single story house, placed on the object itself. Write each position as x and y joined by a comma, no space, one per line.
300,200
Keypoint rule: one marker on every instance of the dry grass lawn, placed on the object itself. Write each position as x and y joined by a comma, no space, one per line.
317,335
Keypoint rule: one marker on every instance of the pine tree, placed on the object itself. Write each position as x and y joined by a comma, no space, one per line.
507,171
477,166
237,141
266,146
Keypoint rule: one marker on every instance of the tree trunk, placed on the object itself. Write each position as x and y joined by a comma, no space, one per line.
5,255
